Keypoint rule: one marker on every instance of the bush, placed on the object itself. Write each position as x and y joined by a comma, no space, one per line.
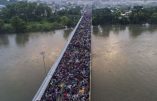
7,28
33,27
1,24
65,21
43,26
153,19
46,26
56,25
18,24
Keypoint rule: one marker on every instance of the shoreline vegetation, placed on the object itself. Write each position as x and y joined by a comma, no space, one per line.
23,17
125,16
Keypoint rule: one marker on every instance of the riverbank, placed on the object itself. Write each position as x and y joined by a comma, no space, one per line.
33,27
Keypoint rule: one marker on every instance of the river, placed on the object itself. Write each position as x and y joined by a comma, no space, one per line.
22,67
124,63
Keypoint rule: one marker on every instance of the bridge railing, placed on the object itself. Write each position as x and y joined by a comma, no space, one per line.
51,72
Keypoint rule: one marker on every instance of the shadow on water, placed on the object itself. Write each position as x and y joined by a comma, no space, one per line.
124,69
22,39
118,28
134,30
4,41
137,30
105,31
67,33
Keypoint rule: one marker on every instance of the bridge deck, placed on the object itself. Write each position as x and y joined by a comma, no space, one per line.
69,78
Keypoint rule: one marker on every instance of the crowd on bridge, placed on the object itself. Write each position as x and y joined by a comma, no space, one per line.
71,80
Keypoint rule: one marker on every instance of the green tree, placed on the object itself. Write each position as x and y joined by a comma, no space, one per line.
27,11
43,11
1,24
102,16
18,24
39,17
124,20
154,18
5,2
65,21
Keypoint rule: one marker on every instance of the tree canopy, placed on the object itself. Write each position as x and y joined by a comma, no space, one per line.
30,16
26,11
135,15
5,2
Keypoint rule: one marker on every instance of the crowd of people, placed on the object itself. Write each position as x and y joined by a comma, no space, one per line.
71,80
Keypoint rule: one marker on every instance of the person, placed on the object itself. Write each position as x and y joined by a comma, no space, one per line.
71,81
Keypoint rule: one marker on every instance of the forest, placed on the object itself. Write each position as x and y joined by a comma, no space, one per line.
134,15
31,17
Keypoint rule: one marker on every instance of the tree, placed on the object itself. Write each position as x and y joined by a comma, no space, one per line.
39,17
18,24
43,11
154,18
1,24
102,16
27,11
65,21
124,20
5,2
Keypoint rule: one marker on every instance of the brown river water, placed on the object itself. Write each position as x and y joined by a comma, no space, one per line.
124,64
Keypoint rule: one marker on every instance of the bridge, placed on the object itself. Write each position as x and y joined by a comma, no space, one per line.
69,79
